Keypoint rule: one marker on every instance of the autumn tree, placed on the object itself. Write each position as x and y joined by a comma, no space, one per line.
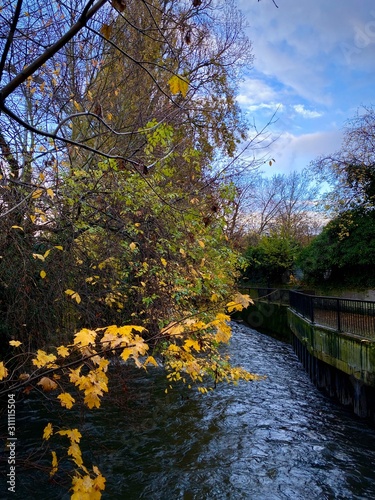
350,171
101,86
284,217
111,117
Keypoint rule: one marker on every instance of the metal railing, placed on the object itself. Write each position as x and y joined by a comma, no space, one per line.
344,315
351,316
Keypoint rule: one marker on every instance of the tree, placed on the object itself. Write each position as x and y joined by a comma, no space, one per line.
110,121
351,171
70,74
272,261
343,254
285,204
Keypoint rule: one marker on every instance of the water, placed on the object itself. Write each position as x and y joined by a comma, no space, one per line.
272,439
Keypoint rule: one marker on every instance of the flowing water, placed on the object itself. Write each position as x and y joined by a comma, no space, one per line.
277,438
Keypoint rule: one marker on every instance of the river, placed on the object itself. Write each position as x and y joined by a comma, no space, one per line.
278,438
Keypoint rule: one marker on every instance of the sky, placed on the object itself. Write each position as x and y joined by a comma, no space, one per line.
314,65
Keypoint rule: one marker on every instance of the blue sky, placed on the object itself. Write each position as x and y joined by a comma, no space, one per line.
314,61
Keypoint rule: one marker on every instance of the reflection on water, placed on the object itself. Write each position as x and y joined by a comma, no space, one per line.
277,438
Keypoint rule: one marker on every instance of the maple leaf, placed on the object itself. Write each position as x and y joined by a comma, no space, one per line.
178,84
43,359
75,452
3,371
239,303
85,337
99,481
75,376
54,464
48,431
73,434
62,351
150,360
191,344
47,384
92,399
126,353
15,343
173,328
66,400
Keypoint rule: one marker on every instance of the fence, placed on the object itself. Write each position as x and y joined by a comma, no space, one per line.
344,315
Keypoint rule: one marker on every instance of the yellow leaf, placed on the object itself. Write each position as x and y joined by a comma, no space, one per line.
59,247
43,359
3,371
85,337
173,328
214,297
66,400
54,464
178,84
62,351
75,375
191,343
151,360
46,253
37,194
43,274
128,351
77,105
15,343
201,243
41,175
47,384
132,246
92,400
74,295
164,262
99,481
239,303
73,434
182,252
50,193
38,256
17,227
32,218
48,431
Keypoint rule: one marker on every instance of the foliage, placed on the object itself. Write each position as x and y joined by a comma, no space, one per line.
190,349
350,171
272,260
343,254
110,211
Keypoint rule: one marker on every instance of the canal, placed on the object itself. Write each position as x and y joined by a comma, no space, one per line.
278,438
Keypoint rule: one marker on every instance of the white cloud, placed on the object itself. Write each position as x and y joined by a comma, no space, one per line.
301,110
254,91
295,152
306,45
